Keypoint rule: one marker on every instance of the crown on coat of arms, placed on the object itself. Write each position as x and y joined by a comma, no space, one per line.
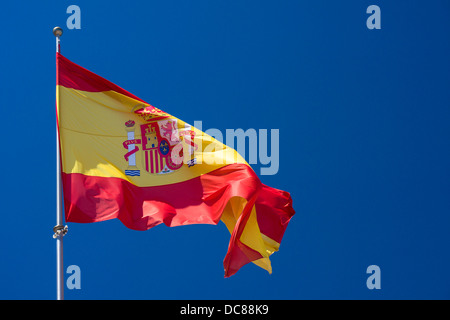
149,113
129,123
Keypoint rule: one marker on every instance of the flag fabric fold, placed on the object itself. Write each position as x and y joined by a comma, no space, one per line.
125,159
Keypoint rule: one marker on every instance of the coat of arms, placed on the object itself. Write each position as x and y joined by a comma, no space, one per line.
161,141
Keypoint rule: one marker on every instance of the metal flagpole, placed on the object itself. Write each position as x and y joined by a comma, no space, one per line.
59,230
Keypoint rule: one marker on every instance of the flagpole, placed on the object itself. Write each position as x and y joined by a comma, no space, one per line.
59,230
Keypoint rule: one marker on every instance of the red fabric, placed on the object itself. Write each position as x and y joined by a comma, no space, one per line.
71,75
197,201
274,211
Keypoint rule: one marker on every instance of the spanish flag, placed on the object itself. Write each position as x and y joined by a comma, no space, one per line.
124,158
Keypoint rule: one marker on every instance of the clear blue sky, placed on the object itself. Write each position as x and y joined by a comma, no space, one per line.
364,143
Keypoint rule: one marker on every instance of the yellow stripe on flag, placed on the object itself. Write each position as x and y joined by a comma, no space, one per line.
93,132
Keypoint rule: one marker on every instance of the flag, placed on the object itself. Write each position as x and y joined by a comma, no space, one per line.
125,159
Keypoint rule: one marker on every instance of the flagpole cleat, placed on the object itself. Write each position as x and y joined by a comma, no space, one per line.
59,230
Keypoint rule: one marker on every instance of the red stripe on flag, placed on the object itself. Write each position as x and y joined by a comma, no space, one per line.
200,200
274,211
71,75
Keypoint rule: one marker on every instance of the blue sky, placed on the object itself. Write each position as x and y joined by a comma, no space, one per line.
364,143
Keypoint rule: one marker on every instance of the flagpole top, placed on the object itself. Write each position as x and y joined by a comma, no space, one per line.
57,31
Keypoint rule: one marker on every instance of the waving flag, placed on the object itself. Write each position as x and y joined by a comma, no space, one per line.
124,158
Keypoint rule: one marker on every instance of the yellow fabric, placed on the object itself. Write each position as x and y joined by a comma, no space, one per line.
92,133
